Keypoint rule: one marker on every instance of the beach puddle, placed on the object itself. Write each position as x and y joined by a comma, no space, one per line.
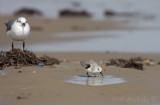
3,73
95,81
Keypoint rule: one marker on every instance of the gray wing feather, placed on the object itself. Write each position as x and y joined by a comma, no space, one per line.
85,64
9,24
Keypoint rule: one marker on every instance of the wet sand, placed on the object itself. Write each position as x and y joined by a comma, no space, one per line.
46,85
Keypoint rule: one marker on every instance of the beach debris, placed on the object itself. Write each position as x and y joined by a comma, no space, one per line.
146,60
48,60
121,14
109,13
1,68
41,64
1,65
135,63
72,13
28,12
18,58
2,60
158,63
19,71
20,97
149,62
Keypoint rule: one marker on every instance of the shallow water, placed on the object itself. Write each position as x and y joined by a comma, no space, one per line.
141,41
138,41
95,81
135,41
3,73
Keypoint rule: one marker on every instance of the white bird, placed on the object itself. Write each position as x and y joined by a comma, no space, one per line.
91,66
18,30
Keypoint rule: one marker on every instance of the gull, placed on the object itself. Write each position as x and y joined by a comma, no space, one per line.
92,67
18,30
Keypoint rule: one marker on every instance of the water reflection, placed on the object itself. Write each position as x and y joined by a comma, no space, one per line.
3,73
95,81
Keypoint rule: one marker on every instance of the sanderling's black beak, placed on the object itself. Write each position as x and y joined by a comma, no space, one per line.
23,24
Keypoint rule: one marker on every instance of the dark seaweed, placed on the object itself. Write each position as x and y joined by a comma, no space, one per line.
135,63
18,57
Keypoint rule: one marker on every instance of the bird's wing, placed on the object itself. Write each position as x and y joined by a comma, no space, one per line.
9,24
87,66
92,62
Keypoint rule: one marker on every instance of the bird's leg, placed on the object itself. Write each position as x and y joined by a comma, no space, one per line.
95,74
101,73
23,45
12,45
88,74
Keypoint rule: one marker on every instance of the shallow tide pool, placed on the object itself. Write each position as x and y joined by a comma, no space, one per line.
95,81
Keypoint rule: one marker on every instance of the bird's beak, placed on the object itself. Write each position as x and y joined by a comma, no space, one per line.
23,24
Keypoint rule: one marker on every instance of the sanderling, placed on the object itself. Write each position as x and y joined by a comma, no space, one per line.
91,66
18,30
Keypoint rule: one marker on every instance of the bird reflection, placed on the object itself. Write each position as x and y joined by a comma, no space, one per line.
94,81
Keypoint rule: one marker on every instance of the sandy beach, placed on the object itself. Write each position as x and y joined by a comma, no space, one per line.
34,85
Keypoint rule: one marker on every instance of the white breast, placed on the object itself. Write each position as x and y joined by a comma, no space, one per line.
18,32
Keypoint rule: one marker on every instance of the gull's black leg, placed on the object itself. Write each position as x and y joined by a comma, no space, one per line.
23,45
95,74
88,74
12,45
101,73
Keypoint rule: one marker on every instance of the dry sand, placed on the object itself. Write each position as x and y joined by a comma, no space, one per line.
45,85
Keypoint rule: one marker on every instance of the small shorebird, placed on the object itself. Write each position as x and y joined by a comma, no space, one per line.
91,66
18,30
